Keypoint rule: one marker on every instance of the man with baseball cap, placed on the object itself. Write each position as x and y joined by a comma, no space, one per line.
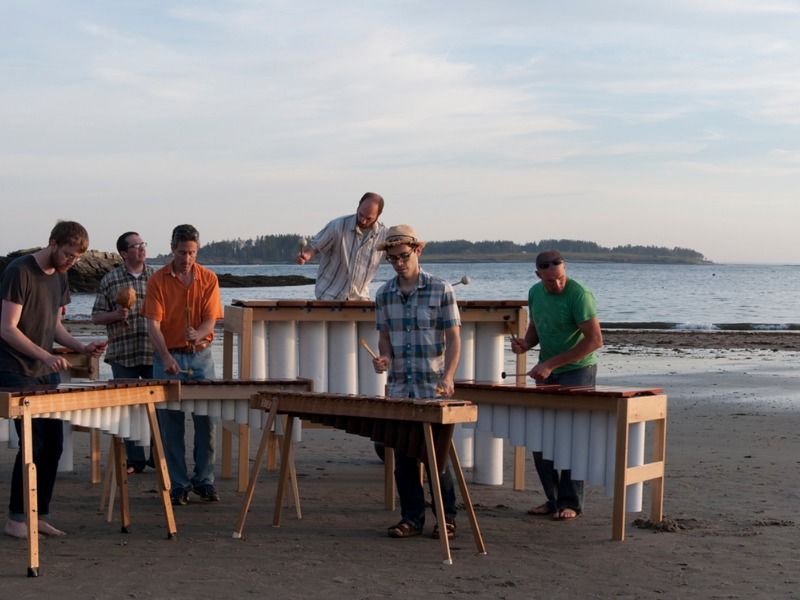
419,345
563,321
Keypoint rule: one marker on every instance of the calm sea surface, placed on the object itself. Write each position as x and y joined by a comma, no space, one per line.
701,296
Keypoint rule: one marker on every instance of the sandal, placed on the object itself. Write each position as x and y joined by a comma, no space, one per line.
541,510
404,529
450,527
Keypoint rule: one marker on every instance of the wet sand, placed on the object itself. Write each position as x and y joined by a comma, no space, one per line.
732,493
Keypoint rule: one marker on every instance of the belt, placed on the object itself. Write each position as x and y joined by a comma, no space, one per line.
198,347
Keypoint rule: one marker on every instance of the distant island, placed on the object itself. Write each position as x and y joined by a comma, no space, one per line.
281,249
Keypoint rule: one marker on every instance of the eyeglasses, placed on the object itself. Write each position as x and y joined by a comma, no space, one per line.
398,257
137,246
547,264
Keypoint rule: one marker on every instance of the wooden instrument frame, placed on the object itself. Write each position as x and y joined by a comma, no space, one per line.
42,400
307,405
630,405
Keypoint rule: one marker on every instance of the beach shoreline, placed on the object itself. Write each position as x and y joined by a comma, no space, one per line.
771,339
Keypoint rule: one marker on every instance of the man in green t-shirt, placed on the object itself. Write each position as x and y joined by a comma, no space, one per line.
563,321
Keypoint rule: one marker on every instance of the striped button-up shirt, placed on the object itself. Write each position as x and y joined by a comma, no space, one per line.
349,259
416,325
128,342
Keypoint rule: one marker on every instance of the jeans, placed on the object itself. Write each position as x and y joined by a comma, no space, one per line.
412,496
135,452
559,488
173,426
47,441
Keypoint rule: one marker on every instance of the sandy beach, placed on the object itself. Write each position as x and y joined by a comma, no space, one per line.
731,497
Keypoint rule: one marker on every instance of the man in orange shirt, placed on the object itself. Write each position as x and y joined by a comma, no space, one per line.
182,306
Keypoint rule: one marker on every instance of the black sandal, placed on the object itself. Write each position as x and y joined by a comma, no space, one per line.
450,527
403,529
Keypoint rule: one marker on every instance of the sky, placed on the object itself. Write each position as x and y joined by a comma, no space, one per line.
656,123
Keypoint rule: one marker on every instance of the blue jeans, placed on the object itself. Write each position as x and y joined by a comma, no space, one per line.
559,488
135,452
47,441
412,496
173,426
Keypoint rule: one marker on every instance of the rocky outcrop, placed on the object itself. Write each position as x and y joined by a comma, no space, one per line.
85,276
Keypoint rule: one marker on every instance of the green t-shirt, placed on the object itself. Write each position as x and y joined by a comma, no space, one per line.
557,316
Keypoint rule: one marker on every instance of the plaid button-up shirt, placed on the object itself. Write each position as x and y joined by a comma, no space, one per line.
128,342
416,325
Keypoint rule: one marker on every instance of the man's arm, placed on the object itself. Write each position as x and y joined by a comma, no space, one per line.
13,336
106,317
160,345
204,330
385,352
452,353
592,340
523,344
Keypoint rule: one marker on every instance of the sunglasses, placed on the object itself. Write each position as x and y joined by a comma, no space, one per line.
547,264
398,257
138,245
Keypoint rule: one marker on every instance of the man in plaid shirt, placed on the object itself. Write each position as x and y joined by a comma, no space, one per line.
130,352
420,344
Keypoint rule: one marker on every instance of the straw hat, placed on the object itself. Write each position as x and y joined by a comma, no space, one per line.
399,235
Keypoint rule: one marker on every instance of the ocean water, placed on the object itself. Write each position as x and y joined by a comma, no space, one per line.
679,296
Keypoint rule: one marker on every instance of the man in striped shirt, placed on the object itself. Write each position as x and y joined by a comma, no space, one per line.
349,254
420,344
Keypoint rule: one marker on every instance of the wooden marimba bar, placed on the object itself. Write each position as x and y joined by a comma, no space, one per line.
597,432
64,402
419,428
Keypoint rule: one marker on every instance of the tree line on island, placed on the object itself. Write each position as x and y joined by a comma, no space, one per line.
282,248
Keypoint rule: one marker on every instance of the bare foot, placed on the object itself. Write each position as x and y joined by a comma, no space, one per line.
543,509
565,514
16,529
46,529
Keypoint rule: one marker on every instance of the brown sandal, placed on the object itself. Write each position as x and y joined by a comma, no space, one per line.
450,527
403,529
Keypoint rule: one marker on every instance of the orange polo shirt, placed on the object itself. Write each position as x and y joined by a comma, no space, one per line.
177,306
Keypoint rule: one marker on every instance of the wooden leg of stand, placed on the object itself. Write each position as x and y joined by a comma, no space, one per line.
620,473
519,468
272,462
30,500
95,452
295,496
227,448
389,491
251,487
121,472
437,493
462,485
657,485
162,473
286,457
243,457
107,476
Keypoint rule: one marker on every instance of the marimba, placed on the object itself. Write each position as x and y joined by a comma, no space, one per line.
319,340
419,428
229,399
108,404
597,432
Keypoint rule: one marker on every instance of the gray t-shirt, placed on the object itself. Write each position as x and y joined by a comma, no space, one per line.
41,297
